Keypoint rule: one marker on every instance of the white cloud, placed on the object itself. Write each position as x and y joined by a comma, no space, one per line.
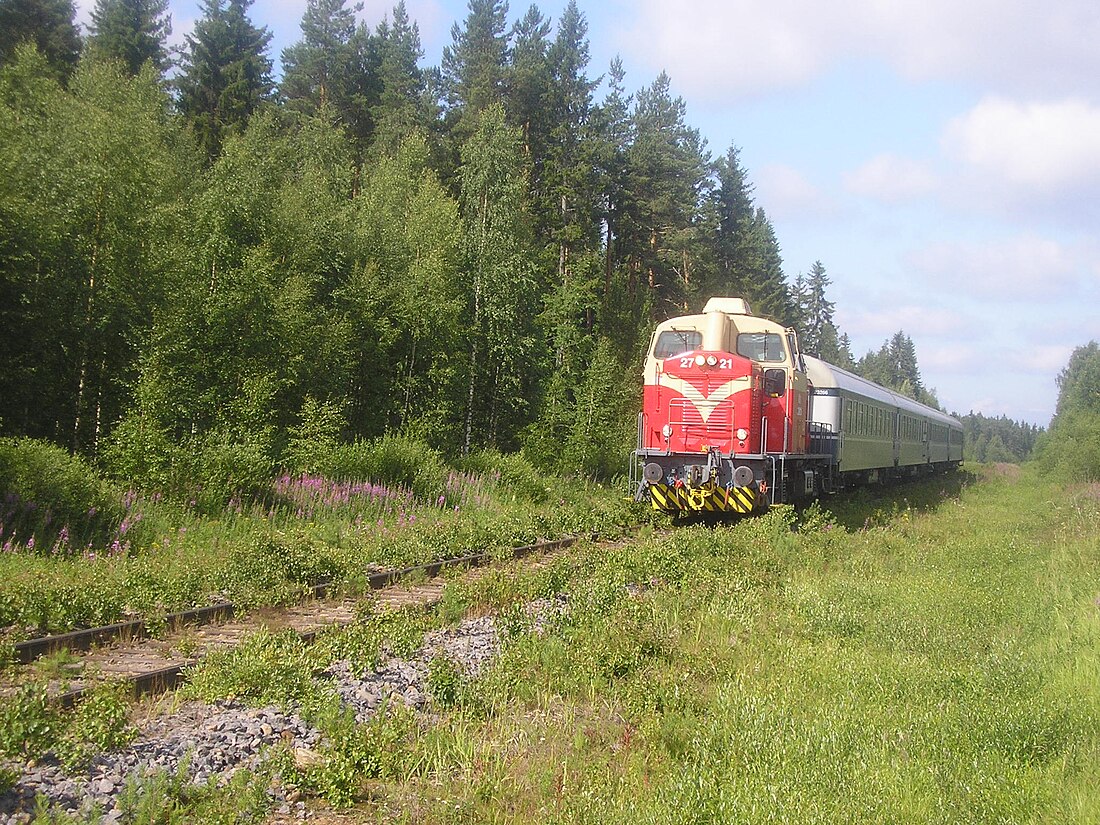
1039,149
891,178
1025,268
879,320
944,359
784,192
1044,359
723,48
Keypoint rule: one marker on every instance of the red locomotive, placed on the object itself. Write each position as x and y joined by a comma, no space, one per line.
735,417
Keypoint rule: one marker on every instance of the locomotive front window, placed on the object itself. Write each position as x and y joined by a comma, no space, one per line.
675,341
762,346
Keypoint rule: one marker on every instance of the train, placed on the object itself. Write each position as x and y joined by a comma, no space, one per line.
736,418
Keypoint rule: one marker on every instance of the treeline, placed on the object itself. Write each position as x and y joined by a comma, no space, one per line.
997,440
222,267
1070,449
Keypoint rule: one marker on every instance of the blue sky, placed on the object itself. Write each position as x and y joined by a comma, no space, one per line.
941,159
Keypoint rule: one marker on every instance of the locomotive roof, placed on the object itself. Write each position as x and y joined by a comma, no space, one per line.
824,375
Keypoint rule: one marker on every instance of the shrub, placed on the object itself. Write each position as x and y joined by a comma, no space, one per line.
260,570
315,437
50,495
223,469
392,459
1070,451
265,669
513,472
28,723
99,723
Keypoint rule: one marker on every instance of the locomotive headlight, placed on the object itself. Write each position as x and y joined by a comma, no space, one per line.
711,360
742,434
666,431
700,360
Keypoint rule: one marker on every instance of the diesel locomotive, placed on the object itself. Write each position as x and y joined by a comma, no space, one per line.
735,417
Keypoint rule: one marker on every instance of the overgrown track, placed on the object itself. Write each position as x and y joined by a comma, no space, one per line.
130,652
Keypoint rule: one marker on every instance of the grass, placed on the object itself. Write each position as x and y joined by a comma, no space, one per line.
939,664
260,556
929,655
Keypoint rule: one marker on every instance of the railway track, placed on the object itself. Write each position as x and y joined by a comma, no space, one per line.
152,663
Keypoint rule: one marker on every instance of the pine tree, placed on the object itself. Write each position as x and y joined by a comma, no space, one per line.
316,67
527,85
334,68
474,64
735,228
569,186
133,32
667,186
226,73
48,24
614,134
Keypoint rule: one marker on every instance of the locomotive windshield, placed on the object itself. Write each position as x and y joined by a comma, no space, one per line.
674,341
762,346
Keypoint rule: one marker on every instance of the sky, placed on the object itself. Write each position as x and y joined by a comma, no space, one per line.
940,158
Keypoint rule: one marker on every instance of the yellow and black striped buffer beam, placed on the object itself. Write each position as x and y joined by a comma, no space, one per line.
702,499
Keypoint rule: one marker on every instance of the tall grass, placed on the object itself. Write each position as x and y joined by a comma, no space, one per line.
938,664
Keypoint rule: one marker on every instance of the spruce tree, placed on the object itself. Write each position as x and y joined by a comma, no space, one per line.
226,73
48,24
400,111
133,32
817,311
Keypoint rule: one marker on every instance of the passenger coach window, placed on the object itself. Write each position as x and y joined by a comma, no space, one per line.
674,341
761,346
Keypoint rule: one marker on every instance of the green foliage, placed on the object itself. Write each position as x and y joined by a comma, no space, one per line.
513,472
275,568
603,420
29,724
445,681
87,177
267,668
163,798
374,634
354,753
317,433
1070,450
99,723
49,494
393,459
997,439
222,468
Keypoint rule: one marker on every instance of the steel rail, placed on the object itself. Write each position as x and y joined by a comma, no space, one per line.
167,678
